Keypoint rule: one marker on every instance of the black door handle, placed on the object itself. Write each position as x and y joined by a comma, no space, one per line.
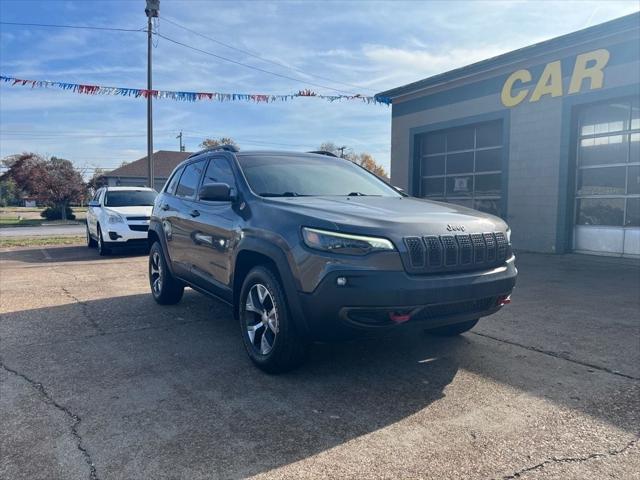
194,213
164,206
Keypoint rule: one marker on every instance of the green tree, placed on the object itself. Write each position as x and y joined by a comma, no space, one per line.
9,194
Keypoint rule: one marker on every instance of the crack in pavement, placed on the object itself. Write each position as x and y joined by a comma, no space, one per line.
75,418
85,310
591,456
558,355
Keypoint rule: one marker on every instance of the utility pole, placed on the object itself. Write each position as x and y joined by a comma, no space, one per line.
341,151
181,145
153,7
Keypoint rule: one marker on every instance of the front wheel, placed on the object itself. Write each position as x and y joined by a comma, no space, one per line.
165,288
452,330
102,250
267,329
90,241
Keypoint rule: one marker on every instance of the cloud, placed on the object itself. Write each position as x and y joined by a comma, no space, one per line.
377,46
406,65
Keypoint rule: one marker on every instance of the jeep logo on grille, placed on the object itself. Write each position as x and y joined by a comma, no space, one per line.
455,228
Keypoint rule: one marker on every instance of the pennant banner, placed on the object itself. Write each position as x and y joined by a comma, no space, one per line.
187,96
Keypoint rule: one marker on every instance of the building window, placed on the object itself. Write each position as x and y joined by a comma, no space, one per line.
463,166
608,164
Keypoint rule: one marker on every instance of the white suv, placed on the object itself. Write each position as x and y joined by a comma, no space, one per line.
119,216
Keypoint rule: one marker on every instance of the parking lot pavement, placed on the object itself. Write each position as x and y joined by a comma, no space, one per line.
99,382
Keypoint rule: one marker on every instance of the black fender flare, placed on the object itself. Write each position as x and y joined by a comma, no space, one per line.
279,258
156,228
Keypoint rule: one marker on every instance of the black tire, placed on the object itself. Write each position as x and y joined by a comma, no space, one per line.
102,250
165,288
453,330
287,348
91,243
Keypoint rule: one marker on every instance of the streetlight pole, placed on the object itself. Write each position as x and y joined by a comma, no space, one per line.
153,7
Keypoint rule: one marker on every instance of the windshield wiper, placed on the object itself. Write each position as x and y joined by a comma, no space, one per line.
283,194
360,194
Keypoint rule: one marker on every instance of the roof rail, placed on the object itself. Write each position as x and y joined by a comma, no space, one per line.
226,148
324,152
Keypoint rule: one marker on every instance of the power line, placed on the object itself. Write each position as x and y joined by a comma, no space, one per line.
251,66
70,135
255,55
220,57
47,136
83,27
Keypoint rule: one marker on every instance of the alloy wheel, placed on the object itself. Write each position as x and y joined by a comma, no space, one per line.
156,273
261,319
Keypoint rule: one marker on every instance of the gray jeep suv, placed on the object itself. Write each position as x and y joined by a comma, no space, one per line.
308,246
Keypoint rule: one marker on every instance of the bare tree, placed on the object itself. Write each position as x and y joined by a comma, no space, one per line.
54,182
216,142
364,159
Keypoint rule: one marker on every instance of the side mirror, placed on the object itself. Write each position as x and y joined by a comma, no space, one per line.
93,203
215,192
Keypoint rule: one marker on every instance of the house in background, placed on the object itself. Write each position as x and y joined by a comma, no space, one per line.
134,174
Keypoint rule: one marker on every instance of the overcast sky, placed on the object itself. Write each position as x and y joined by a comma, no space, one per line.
373,45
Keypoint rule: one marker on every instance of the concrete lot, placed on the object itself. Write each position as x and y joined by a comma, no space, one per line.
99,382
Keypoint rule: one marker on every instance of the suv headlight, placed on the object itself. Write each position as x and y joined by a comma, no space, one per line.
508,235
115,218
336,242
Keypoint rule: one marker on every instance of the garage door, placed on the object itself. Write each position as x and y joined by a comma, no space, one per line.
607,195
463,165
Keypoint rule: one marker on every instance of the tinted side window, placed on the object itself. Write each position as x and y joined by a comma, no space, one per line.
173,183
219,171
190,179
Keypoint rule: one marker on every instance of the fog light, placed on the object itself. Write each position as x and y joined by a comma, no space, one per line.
503,300
341,281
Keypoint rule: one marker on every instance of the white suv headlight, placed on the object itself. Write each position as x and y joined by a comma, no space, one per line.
115,218
508,235
336,242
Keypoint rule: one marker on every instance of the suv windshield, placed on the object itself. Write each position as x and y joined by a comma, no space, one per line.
292,176
129,198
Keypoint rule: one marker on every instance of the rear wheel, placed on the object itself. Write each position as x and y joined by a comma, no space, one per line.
267,329
453,330
165,288
91,243
102,250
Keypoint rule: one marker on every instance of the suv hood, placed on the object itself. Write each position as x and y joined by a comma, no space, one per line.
404,216
141,211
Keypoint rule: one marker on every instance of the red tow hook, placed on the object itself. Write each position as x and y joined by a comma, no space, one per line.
503,300
399,317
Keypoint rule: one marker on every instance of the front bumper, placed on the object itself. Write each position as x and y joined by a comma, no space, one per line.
375,300
123,233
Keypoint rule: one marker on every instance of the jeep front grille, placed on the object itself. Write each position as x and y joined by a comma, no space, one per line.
456,252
